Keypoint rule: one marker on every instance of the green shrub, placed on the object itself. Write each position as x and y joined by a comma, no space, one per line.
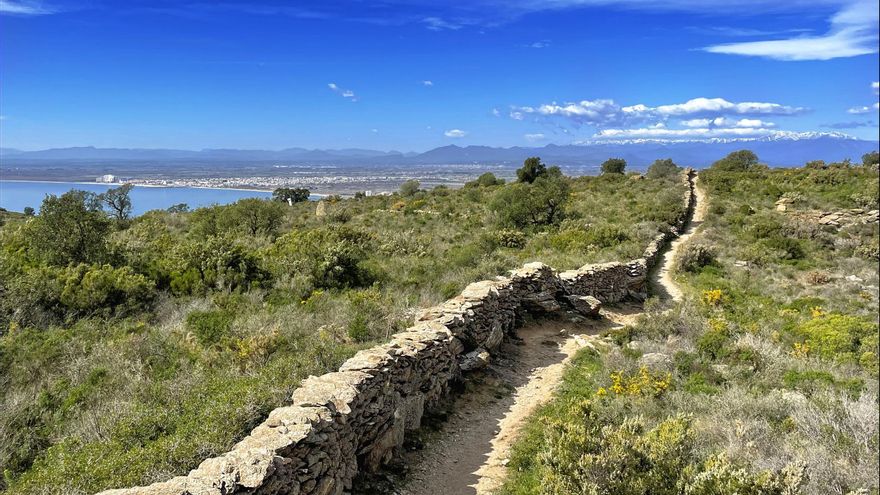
662,168
838,337
118,291
209,327
693,257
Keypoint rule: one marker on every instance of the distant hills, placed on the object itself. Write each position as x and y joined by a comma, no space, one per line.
782,149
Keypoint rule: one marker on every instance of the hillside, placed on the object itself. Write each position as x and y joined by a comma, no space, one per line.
134,349
763,379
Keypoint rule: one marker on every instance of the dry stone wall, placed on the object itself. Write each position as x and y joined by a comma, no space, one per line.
355,418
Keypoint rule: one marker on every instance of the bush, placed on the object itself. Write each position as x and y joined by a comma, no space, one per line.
215,263
662,168
737,161
112,291
488,179
613,166
522,204
839,337
530,171
210,327
70,228
693,257
409,188
510,238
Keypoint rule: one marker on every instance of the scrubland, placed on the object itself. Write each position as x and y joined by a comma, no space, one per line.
763,380
132,349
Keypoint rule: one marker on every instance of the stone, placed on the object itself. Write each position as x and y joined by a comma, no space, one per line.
656,360
474,360
585,305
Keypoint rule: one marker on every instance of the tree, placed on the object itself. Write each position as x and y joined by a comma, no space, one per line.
28,211
70,228
291,195
409,187
662,168
872,158
485,180
523,204
532,169
119,202
178,208
614,166
737,161
254,216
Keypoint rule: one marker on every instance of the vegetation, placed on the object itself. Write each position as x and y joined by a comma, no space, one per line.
132,350
613,166
291,195
767,377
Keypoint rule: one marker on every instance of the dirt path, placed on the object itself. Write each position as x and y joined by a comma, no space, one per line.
662,283
468,453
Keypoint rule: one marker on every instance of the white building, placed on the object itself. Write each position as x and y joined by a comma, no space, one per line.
107,179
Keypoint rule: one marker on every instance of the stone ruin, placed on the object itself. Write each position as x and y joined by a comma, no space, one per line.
356,418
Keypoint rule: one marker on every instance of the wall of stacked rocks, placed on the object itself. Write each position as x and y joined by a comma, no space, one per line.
354,419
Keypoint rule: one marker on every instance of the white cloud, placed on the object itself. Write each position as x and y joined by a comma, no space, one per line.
439,24
533,137
427,83
853,32
693,133
863,110
455,133
876,87
496,112
607,113
540,44
722,106
345,93
22,7
696,122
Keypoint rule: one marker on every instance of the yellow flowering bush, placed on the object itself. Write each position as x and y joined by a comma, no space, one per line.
712,297
643,383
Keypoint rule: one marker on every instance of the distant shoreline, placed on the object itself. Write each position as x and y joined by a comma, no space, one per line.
117,184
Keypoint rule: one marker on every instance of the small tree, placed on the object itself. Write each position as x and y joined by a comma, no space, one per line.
178,208
662,168
738,161
118,201
409,187
28,211
523,204
871,159
70,228
485,180
291,195
614,166
532,169
255,216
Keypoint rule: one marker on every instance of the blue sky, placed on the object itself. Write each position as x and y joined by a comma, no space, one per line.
413,75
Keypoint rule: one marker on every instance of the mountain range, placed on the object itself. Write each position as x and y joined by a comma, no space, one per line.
781,149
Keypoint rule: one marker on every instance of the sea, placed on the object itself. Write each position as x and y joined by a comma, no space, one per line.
16,195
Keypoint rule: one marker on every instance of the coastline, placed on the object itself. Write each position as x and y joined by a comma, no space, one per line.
117,184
